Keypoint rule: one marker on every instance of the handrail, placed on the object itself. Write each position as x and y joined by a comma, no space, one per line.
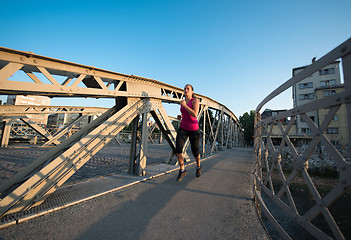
270,158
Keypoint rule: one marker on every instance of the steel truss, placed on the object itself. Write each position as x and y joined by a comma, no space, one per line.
11,115
269,157
136,98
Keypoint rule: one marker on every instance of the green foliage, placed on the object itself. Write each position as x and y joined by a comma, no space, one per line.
247,123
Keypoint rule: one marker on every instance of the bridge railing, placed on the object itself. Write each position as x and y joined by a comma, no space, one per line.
137,99
284,187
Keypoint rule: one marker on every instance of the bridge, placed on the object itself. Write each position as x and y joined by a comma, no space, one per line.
137,100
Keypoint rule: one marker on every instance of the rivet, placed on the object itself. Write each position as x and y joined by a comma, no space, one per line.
22,58
35,61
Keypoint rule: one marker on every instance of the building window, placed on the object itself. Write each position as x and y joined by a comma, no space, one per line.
328,93
306,96
306,130
336,143
328,83
326,71
332,130
312,118
305,85
335,118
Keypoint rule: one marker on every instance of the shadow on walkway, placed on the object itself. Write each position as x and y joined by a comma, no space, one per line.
219,204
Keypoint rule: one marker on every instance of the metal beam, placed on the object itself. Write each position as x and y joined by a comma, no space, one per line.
62,162
40,130
134,96
20,110
5,132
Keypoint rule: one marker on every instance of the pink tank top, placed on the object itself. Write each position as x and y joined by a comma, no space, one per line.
188,123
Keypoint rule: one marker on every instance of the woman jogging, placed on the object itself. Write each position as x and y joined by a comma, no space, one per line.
189,127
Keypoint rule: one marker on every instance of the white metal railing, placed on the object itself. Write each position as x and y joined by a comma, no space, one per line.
275,183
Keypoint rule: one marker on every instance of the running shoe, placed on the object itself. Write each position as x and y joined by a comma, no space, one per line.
198,172
181,175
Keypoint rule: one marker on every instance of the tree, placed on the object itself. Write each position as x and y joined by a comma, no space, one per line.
247,123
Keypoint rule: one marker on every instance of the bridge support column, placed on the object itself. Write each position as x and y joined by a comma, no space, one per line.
141,160
204,134
5,132
222,130
133,146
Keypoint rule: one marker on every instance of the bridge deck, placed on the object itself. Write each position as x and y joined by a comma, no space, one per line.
218,205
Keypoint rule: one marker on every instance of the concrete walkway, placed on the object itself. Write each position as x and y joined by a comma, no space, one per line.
218,205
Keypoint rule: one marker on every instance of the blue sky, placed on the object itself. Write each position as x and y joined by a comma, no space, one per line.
235,52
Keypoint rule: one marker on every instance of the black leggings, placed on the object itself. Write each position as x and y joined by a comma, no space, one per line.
194,137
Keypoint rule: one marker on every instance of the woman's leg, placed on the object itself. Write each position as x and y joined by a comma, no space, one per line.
181,161
197,159
194,141
180,141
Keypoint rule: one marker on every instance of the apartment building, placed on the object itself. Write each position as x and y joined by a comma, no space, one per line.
337,131
304,91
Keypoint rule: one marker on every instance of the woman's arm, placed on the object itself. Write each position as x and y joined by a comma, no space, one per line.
193,112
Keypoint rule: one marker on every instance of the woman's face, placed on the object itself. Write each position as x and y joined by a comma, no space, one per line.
188,91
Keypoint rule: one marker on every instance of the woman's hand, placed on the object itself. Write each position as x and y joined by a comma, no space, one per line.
183,103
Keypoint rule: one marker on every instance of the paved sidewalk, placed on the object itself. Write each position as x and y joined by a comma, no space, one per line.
218,205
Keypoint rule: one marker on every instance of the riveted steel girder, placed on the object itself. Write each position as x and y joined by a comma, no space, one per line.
50,171
134,96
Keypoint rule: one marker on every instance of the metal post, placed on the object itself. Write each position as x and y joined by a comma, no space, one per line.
160,141
236,135
228,132
222,130
5,132
346,65
141,161
204,134
133,146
